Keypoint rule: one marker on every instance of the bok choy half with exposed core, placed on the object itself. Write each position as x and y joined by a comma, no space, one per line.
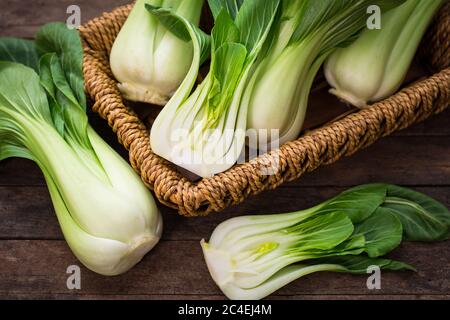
204,131
148,60
376,64
108,217
251,257
304,35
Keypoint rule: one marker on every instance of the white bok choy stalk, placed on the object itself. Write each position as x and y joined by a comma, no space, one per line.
304,35
375,66
108,217
204,131
148,60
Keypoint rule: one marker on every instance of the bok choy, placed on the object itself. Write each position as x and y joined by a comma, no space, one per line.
108,217
148,60
304,35
204,131
251,257
375,65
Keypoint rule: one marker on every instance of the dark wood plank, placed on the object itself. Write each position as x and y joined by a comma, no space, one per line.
27,208
81,296
412,160
26,212
406,160
179,297
437,125
177,268
18,172
18,19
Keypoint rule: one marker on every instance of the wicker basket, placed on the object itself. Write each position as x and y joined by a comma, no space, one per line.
322,146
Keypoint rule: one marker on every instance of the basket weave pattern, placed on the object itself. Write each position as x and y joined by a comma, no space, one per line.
319,147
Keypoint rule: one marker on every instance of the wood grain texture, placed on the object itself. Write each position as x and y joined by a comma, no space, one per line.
25,219
309,297
177,266
34,257
407,160
23,18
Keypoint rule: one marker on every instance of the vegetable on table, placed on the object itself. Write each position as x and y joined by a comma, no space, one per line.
251,257
375,65
304,35
108,217
204,131
148,60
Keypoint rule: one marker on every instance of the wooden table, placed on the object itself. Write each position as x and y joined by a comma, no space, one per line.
34,257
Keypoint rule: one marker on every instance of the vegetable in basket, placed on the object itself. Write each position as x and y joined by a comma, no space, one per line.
305,34
204,131
148,60
251,257
265,55
374,66
108,217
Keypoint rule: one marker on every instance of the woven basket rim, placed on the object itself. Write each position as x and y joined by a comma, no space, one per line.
321,146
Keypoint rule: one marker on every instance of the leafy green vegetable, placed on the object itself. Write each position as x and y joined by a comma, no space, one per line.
67,46
305,34
19,50
350,202
422,217
382,231
360,264
204,132
231,6
251,257
108,217
148,60
375,65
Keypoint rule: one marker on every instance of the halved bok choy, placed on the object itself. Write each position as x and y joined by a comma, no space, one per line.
252,257
204,131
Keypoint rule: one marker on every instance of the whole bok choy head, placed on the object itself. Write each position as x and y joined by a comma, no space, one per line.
375,65
148,60
304,35
251,257
204,131
108,217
